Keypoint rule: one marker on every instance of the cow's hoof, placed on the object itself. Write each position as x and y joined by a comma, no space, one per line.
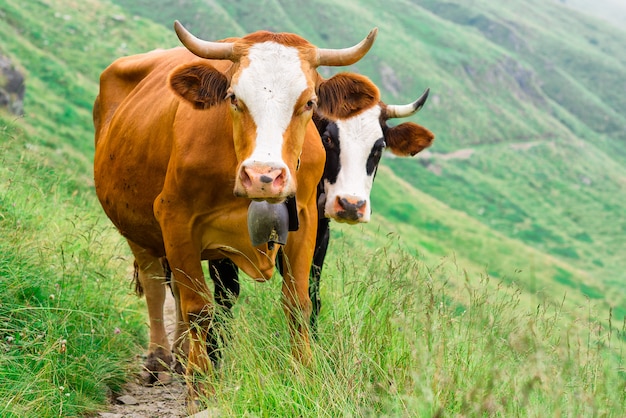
200,392
156,368
155,378
178,367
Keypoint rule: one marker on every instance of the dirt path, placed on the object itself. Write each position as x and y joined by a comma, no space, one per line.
139,401
144,402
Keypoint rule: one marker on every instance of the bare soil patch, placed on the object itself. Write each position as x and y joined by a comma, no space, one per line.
160,401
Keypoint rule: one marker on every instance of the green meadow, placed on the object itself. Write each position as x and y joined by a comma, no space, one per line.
489,282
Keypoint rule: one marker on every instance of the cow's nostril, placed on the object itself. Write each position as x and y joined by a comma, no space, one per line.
279,181
245,178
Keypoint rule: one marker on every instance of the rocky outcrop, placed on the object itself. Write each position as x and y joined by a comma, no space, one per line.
12,87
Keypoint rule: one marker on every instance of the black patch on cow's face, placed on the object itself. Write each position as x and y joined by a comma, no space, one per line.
374,157
330,139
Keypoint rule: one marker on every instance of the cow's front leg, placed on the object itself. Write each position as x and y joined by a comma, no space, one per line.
150,274
195,302
297,308
224,274
194,299
298,255
321,245
180,347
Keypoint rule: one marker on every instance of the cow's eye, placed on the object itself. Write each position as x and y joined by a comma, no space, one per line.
310,105
377,149
233,100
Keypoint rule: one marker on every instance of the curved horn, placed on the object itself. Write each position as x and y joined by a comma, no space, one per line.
346,56
204,49
403,111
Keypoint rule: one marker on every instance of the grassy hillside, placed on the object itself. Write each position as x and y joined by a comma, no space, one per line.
69,326
515,214
559,187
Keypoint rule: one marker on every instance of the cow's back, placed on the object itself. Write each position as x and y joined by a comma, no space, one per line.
119,80
133,119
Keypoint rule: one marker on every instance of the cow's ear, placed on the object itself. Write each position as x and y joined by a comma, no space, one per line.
345,95
407,139
202,85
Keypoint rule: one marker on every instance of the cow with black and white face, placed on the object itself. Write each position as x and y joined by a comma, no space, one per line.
354,147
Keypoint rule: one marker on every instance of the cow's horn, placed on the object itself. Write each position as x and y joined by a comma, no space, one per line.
346,56
402,111
203,49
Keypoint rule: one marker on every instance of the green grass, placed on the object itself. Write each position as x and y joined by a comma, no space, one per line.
399,337
68,326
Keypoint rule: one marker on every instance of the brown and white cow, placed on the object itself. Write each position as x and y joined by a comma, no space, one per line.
186,137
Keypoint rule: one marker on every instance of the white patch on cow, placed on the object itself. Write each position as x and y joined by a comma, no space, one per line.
270,86
357,136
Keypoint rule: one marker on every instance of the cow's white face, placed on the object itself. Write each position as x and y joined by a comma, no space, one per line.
353,150
270,87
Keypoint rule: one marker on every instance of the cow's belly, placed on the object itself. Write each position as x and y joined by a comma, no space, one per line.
126,193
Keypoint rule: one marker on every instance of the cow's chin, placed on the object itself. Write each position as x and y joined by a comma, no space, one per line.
346,218
260,196
269,199
256,198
